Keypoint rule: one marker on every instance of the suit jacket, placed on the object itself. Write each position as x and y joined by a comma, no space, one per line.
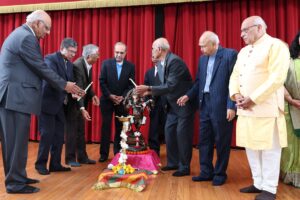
82,79
109,82
53,99
218,89
177,82
22,69
150,80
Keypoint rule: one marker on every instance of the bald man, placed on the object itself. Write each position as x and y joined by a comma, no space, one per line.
179,124
22,70
217,110
256,85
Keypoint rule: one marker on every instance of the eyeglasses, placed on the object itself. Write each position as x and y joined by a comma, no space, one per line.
245,30
46,26
71,51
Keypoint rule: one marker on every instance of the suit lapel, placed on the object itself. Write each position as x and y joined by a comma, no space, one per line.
202,76
62,65
217,63
85,70
114,70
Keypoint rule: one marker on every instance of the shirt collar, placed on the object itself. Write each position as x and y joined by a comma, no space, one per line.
120,63
30,29
88,66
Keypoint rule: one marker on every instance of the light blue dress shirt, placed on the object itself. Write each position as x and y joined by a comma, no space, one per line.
119,69
210,68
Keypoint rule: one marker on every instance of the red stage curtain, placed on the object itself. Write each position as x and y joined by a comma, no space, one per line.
104,27
184,23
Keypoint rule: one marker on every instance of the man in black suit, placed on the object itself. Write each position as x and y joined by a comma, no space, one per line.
217,110
76,110
179,124
22,70
157,114
114,83
52,117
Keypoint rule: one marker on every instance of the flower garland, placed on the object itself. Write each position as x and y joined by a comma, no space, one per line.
122,168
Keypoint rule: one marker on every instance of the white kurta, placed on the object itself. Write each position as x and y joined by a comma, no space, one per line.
259,73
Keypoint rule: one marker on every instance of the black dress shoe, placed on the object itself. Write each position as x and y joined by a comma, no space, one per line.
60,169
168,168
201,178
32,181
265,195
87,161
102,159
250,189
219,180
26,190
42,171
181,173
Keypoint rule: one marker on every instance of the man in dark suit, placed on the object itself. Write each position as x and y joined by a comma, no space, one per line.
52,117
216,108
157,114
22,70
76,110
179,124
114,83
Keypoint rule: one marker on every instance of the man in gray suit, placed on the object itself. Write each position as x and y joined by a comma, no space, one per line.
22,70
179,125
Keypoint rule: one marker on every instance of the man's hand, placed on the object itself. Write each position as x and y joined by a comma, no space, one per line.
142,90
85,115
230,114
113,98
71,87
182,100
246,103
116,99
96,101
295,103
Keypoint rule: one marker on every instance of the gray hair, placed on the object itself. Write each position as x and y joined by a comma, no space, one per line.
121,43
68,42
259,21
34,16
89,49
212,37
163,44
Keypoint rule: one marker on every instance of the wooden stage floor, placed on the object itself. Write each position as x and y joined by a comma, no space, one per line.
77,184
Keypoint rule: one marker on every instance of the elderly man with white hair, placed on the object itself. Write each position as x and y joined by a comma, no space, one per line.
22,69
179,124
217,110
76,154
256,85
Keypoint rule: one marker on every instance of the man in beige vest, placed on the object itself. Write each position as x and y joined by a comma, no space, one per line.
256,85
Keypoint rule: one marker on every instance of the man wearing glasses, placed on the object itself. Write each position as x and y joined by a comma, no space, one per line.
256,85
52,117
114,83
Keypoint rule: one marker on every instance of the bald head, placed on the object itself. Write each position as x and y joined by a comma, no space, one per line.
162,43
252,29
160,49
40,22
209,43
